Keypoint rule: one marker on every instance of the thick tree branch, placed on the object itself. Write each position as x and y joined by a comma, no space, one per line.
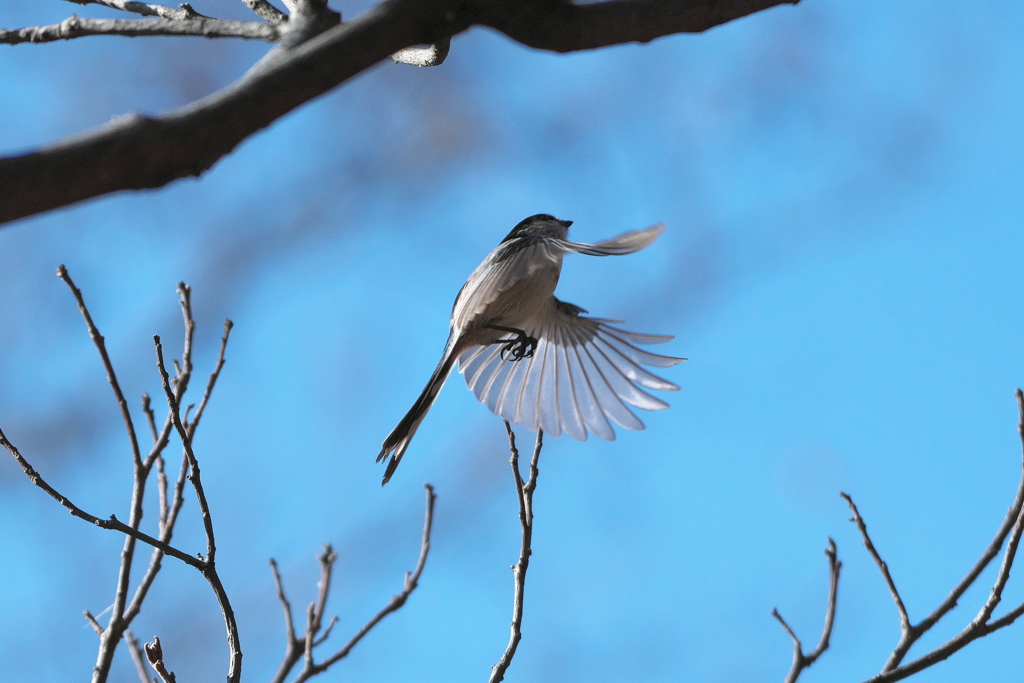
137,152
569,27
77,27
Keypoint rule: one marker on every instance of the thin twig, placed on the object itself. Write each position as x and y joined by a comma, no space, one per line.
101,347
138,658
802,660
524,490
93,622
196,477
186,13
112,523
882,566
293,649
194,424
316,609
980,626
209,565
81,27
311,668
266,11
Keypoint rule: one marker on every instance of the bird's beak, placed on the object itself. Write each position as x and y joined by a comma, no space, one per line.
565,223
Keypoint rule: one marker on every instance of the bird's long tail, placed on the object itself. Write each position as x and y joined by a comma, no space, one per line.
399,438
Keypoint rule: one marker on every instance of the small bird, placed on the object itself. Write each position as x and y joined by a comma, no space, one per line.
532,358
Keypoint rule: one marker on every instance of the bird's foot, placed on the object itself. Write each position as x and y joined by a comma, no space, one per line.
520,347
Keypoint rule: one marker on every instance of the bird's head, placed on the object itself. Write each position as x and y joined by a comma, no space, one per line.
540,225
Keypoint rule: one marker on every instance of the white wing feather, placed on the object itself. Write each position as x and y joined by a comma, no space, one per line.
584,375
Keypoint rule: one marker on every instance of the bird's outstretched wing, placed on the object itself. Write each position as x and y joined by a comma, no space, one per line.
514,261
583,376
626,243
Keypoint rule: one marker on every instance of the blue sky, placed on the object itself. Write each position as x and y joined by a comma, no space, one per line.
841,184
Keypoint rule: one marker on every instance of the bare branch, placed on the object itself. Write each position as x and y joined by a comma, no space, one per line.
882,566
213,378
113,523
803,660
136,151
299,646
138,658
208,567
98,340
266,11
524,490
196,477
293,649
980,626
184,14
78,27
92,622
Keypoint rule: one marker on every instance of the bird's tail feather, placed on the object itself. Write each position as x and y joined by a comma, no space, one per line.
399,438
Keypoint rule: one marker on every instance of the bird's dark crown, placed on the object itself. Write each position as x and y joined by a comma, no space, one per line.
539,225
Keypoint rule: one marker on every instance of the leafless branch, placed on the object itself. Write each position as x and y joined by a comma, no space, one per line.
137,151
149,10
194,424
92,622
524,490
121,612
101,347
1010,532
301,647
905,625
155,654
209,564
802,660
266,11
138,657
79,27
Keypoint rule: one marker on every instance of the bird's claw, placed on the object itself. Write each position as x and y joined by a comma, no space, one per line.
522,346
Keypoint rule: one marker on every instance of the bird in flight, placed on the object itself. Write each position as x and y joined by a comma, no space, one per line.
535,360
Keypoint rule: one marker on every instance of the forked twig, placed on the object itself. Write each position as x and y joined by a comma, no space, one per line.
802,660
524,491
303,647
122,612
1010,532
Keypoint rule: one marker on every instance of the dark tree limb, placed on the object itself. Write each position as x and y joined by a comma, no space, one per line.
802,660
302,647
137,152
524,491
